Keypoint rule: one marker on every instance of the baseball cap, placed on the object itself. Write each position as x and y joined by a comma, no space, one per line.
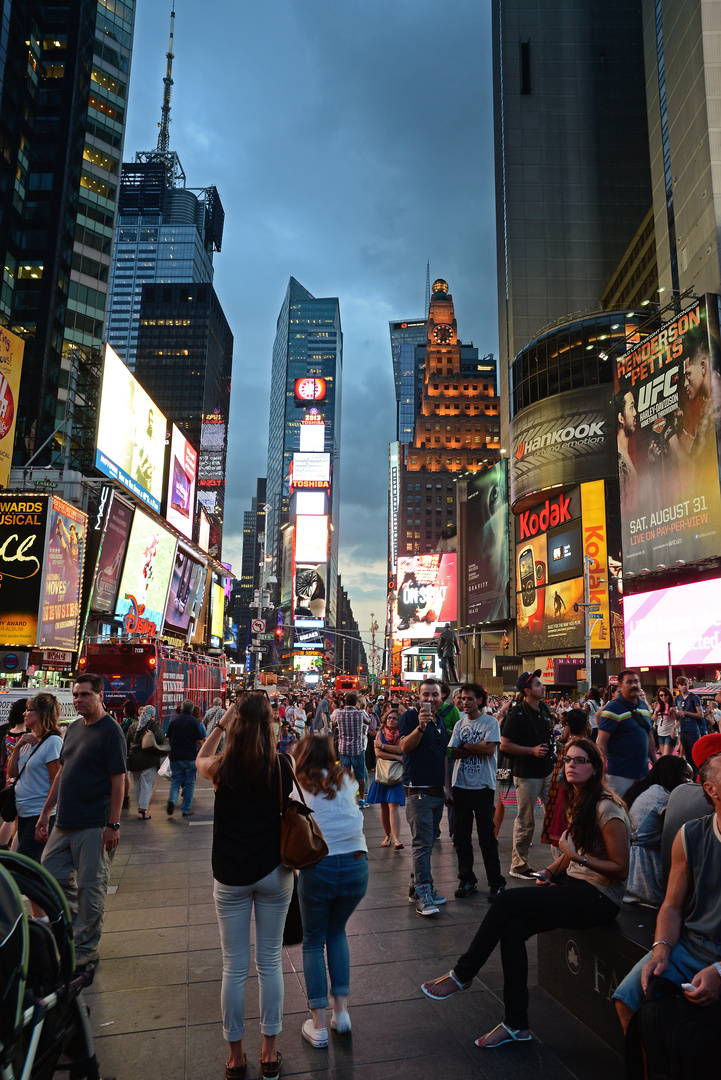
526,678
705,747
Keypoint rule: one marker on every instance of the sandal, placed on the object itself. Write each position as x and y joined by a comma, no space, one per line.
271,1069
144,815
236,1072
385,842
428,987
397,846
511,1036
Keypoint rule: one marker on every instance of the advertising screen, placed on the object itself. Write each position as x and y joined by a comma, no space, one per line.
312,438
309,389
565,552
186,591
146,576
595,545
563,440
180,495
62,580
11,366
110,558
487,545
308,663
686,616
311,539
131,433
546,619
23,520
311,469
217,613
310,502
667,400
310,590
286,569
203,530
426,597
308,639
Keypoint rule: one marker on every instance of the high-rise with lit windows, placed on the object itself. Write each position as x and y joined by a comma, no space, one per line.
64,71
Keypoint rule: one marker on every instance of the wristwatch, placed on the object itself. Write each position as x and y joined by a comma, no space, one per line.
114,825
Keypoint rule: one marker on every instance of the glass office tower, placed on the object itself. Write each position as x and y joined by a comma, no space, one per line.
407,372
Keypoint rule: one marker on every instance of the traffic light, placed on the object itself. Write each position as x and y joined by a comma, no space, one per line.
505,642
279,633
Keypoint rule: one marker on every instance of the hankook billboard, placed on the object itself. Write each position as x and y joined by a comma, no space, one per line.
562,440
667,413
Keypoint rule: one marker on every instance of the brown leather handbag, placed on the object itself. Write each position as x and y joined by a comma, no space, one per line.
301,842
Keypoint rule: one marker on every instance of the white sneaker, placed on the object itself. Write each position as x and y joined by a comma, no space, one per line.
340,1021
315,1036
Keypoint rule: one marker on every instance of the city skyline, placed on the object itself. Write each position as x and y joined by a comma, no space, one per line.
348,170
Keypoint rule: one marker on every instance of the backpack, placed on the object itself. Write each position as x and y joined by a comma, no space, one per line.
680,1039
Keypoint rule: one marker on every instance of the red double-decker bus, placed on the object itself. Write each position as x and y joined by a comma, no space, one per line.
149,673
344,683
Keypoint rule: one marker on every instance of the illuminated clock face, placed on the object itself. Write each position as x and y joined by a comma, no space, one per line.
443,333
310,389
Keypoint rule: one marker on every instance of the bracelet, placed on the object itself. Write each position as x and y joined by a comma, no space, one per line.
662,942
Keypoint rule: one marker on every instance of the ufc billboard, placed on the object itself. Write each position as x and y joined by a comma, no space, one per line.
564,440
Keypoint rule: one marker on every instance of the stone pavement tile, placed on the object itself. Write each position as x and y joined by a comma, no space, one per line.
202,913
143,942
418,1034
205,965
138,972
139,1010
200,894
204,936
156,1055
161,898
142,881
433,938
368,949
370,984
207,1052
204,1000
145,918
450,1065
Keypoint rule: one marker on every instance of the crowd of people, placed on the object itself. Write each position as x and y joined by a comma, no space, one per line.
625,785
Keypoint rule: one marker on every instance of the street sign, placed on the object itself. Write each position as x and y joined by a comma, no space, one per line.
372,678
259,648
257,626
595,615
594,607
267,637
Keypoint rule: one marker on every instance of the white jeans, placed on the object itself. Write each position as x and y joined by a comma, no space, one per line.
143,784
233,905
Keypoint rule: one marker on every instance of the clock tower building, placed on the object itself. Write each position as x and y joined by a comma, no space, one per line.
457,430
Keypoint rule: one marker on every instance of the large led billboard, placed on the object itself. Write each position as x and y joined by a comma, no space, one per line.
115,519
62,579
180,495
686,617
667,400
11,365
486,512
146,576
23,521
217,613
312,437
311,469
311,538
309,591
131,433
426,598
186,591
545,617
309,389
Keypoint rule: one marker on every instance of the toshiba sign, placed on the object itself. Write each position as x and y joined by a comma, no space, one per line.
562,441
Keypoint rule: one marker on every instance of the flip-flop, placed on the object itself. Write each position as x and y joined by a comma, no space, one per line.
513,1036
385,842
426,987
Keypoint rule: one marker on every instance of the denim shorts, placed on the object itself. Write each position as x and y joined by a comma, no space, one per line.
667,740
682,966
356,762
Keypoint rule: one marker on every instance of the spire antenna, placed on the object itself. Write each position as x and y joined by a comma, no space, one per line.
428,286
164,134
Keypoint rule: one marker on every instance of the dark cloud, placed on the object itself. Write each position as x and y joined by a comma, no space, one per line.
350,143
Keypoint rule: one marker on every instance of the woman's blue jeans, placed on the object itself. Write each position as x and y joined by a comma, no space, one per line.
329,893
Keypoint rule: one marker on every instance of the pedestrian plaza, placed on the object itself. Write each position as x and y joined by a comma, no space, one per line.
155,1001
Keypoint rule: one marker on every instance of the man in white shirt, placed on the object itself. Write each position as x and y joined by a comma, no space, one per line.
474,746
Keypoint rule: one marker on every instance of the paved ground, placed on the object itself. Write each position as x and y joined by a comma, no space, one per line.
155,1001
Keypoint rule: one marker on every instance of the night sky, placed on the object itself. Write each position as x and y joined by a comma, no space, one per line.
350,143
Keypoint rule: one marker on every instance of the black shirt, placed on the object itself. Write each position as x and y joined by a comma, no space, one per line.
184,733
91,754
529,727
426,765
246,830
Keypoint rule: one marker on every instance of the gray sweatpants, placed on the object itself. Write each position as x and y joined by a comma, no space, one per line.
78,861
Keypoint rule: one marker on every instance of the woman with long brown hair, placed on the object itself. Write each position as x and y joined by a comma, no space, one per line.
583,887
34,765
330,892
249,779
665,721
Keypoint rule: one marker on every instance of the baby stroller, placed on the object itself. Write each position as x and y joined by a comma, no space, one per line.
43,1018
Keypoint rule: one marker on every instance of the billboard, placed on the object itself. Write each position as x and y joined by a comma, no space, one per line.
131,433
595,545
312,435
486,533
11,366
312,470
62,579
213,444
393,498
688,617
668,415
217,614
180,495
545,619
309,389
187,586
309,591
426,597
203,529
23,521
562,440
118,520
311,538
286,568
146,576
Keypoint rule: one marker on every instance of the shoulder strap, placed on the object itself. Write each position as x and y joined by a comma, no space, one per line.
294,781
28,759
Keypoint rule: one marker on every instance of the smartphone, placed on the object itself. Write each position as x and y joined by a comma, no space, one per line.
688,986
540,874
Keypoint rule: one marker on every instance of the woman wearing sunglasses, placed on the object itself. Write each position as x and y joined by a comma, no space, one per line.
665,721
583,887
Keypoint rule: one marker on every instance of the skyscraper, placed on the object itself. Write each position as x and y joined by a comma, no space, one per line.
64,73
305,386
166,231
407,372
